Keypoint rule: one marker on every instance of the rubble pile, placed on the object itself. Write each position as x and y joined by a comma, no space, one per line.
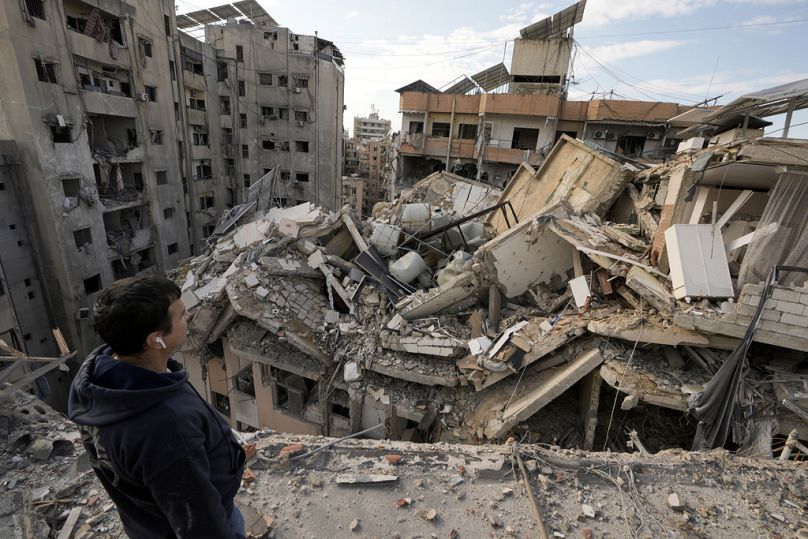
462,313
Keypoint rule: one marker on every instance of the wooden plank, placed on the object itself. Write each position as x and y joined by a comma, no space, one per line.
698,209
70,523
736,205
33,375
357,237
60,341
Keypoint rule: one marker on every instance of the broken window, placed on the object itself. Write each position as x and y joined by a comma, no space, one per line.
265,79
191,61
224,104
200,135
173,248
245,151
242,121
206,201
161,177
35,8
92,284
221,403
301,116
524,138
468,131
630,145
82,237
302,176
156,136
151,93
239,53
242,91
168,213
61,134
301,82
244,381
195,103
221,71
440,129
416,127
203,170
302,146
71,187
45,71
145,47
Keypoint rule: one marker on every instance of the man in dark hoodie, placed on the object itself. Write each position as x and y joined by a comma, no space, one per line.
168,460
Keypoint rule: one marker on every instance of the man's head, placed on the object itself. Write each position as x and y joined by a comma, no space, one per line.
140,313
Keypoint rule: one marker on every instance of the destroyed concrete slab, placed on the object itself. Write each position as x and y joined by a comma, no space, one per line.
423,344
456,291
632,380
415,368
651,328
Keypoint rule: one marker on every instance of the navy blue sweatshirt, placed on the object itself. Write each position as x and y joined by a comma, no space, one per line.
166,457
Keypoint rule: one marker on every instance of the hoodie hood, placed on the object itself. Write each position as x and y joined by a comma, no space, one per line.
103,393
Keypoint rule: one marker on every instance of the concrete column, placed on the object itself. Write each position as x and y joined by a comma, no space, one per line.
589,398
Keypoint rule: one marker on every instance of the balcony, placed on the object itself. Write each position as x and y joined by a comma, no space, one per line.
197,117
128,231
114,138
119,184
101,103
89,47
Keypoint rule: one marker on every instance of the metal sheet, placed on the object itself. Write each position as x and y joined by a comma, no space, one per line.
183,22
557,24
203,16
493,77
464,85
225,11
253,10
418,86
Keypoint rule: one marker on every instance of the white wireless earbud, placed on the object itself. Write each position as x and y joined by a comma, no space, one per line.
160,341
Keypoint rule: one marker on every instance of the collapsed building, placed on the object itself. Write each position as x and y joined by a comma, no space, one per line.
462,313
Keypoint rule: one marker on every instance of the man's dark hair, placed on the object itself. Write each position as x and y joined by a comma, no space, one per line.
129,309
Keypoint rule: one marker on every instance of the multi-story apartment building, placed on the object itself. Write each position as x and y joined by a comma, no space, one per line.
124,140
370,127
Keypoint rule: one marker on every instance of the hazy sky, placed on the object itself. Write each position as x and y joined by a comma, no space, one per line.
666,50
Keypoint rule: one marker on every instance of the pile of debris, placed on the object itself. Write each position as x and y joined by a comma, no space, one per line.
460,313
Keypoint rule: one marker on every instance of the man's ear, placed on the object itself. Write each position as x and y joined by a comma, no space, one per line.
154,341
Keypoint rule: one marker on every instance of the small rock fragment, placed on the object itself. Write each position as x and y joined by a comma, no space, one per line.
428,514
587,533
354,525
674,502
393,459
588,510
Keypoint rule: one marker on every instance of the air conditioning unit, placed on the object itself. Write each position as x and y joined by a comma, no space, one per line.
194,93
297,90
599,135
609,136
652,135
83,314
301,123
144,96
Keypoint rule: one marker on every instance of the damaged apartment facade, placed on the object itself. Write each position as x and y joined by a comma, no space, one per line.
485,125
466,313
124,140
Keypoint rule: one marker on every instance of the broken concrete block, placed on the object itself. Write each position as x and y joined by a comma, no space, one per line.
351,372
189,299
479,345
331,317
251,280
261,292
650,289
698,262
316,259
449,294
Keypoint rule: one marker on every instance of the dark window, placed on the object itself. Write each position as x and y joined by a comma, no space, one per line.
524,138
35,8
196,104
2,186
82,237
206,201
27,282
468,131
632,146
224,104
151,91
26,337
268,112
221,71
302,146
156,136
61,134
200,136
168,213
227,135
203,170
161,176
268,144
176,111
239,53
2,290
243,120
172,70
12,227
167,24
265,79
283,81
92,284
283,113
301,82
145,47
221,402
440,129
416,127
241,89
71,187
173,248
31,294
302,176
285,175
207,230
246,180
45,71
245,150
301,116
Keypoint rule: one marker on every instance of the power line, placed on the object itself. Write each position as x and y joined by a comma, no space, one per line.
702,29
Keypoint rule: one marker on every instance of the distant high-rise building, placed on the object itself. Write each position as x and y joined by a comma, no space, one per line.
371,127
